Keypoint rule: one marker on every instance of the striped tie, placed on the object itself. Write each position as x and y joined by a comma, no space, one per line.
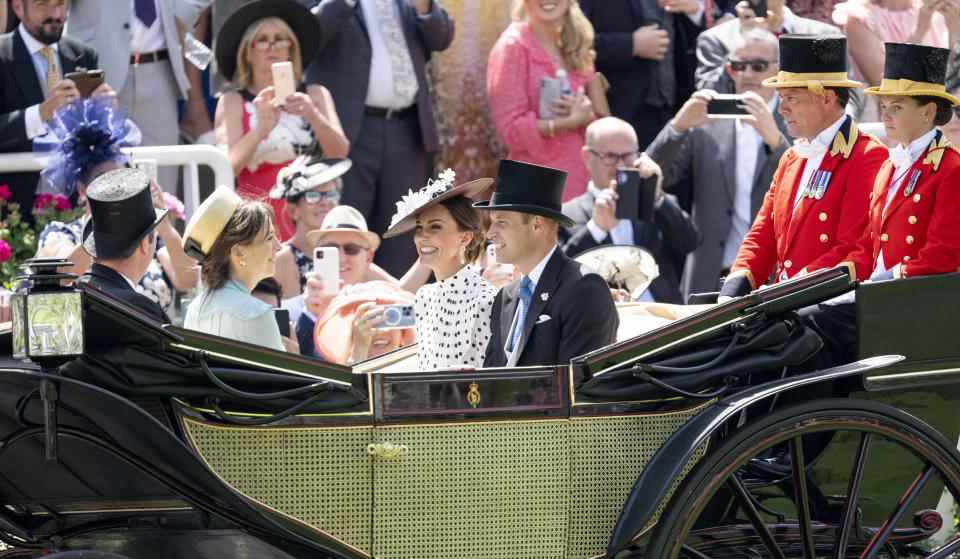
53,70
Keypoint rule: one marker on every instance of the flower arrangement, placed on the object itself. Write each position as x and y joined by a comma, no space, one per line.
18,239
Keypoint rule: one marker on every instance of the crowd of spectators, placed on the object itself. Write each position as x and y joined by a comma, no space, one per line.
587,87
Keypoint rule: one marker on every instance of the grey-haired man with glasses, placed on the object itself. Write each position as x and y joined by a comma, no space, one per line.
611,144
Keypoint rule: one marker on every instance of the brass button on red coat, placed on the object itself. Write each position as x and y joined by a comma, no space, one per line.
884,238
906,259
823,216
912,219
788,264
909,239
916,197
824,238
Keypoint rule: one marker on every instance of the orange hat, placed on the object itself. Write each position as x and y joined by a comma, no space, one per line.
333,334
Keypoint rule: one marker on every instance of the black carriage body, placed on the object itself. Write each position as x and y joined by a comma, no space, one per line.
165,445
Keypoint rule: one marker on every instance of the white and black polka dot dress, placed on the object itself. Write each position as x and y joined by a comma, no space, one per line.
453,321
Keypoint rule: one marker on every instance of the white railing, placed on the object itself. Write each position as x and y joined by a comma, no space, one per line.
190,157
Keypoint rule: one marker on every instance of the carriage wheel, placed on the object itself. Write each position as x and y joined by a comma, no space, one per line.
749,498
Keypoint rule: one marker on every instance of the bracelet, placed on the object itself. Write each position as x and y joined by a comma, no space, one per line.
551,130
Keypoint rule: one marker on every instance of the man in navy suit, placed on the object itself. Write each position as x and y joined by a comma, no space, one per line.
372,58
34,57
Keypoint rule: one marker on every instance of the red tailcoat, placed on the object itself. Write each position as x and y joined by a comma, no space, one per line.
820,232
918,232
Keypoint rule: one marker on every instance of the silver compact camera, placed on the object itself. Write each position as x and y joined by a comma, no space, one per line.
397,317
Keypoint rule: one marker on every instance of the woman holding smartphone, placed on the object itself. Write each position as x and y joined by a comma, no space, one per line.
452,314
236,245
262,132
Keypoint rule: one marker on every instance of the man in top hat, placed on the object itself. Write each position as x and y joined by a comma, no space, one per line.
815,210
121,236
556,310
912,225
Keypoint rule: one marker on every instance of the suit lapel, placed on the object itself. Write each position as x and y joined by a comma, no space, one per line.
546,287
727,143
23,63
508,308
880,186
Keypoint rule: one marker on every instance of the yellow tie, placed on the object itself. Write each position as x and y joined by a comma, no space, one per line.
53,71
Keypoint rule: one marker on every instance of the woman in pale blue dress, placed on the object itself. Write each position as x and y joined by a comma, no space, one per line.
236,244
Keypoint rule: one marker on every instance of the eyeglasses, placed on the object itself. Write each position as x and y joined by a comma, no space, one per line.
266,43
756,65
314,196
613,158
350,249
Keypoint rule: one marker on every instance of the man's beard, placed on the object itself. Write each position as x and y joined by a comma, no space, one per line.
49,32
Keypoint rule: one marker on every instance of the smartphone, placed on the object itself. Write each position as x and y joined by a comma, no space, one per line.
87,81
283,84
326,264
759,7
551,89
397,317
628,190
283,321
726,105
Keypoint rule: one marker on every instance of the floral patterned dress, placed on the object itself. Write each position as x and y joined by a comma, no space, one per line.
155,284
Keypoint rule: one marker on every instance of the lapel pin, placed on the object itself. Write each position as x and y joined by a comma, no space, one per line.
544,297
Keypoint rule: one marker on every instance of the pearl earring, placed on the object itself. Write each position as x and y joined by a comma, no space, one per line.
463,255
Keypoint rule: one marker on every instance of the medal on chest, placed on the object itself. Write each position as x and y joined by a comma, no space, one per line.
819,182
912,183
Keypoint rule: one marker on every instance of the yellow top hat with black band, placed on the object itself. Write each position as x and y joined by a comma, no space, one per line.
813,62
914,71
209,221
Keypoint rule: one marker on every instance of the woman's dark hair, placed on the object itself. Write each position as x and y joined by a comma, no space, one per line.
271,287
467,219
243,228
843,95
944,108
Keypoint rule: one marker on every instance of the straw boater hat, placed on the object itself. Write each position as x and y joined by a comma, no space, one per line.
306,173
344,219
121,213
208,222
814,62
436,191
528,188
303,23
914,71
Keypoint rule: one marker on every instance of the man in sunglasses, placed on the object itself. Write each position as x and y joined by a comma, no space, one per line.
610,144
729,162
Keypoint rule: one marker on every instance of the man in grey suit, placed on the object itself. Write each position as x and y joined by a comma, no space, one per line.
373,58
141,55
714,45
729,161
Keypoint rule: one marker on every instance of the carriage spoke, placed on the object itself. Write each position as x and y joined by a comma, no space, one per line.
947,550
880,537
853,495
694,553
801,496
743,498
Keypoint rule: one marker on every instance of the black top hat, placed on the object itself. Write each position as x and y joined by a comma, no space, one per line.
303,23
812,61
914,70
528,188
121,213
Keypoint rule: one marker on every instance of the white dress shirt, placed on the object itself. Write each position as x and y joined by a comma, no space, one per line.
825,141
145,39
31,117
916,148
534,276
380,91
622,232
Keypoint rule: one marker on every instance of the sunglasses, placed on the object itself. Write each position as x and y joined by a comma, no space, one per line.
613,158
755,65
265,43
314,197
350,249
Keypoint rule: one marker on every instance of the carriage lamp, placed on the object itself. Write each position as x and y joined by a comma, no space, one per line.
47,315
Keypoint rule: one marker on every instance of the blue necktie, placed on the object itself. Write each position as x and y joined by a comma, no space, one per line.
526,293
146,11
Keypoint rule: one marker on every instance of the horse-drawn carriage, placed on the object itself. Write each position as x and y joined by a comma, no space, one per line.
707,437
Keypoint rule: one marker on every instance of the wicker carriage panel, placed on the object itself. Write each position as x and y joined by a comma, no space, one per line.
607,456
319,476
480,490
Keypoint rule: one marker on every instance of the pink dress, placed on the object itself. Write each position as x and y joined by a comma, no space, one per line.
516,65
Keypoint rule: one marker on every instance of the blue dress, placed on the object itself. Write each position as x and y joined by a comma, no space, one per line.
232,312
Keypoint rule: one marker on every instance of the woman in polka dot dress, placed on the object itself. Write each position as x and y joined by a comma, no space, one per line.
452,314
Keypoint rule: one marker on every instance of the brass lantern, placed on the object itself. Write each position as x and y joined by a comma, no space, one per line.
47,315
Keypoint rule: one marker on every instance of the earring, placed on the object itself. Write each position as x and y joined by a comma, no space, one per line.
463,255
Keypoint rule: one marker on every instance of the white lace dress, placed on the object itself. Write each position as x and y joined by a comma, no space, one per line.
453,321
